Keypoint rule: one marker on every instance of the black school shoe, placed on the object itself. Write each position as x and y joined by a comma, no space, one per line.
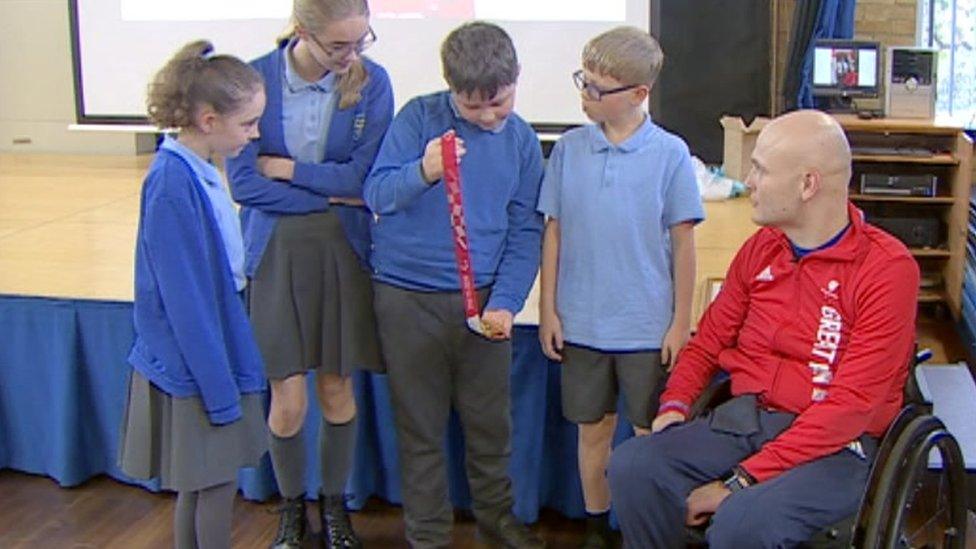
598,534
337,532
508,532
292,524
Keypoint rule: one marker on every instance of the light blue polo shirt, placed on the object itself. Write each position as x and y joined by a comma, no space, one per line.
228,221
615,205
306,111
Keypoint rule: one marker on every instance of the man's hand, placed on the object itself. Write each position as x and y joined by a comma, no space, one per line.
674,341
432,165
497,324
704,501
276,167
662,421
551,335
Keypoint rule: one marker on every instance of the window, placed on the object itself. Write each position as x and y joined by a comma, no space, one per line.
950,27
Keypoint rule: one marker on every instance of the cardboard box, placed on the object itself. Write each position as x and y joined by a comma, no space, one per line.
739,142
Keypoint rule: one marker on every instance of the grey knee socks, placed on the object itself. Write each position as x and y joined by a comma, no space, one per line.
288,458
202,519
184,519
337,446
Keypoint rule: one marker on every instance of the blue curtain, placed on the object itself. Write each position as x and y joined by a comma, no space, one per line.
63,380
813,19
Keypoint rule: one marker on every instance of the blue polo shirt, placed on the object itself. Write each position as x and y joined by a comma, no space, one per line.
224,212
306,111
615,205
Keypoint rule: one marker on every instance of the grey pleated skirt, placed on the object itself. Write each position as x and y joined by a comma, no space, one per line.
173,440
311,301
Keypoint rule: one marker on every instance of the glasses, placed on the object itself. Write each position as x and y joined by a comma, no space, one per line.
338,50
593,91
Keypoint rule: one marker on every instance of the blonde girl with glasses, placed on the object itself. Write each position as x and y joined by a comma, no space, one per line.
307,241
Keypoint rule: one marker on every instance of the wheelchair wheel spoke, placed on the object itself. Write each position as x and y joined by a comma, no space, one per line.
925,526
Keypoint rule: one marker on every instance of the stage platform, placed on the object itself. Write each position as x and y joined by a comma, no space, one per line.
67,231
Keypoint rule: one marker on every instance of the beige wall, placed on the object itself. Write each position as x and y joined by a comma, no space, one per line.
36,84
891,22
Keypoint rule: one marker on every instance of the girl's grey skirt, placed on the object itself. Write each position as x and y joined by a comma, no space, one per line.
172,438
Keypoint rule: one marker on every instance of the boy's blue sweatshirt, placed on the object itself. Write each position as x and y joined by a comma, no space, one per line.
354,135
192,333
500,177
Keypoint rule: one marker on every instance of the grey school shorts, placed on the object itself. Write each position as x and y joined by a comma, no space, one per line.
592,380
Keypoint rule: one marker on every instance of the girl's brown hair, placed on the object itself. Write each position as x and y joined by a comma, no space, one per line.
195,77
313,16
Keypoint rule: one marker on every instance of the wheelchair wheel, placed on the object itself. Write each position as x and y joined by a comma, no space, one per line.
875,503
912,506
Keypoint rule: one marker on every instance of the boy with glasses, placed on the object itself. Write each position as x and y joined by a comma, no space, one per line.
618,259
433,361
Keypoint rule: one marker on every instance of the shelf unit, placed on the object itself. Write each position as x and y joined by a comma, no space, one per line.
950,161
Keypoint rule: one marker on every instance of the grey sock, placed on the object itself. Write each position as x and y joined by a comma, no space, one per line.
184,513
288,459
337,447
214,516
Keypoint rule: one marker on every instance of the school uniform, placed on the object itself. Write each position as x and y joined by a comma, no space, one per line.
615,204
311,297
195,412
434,362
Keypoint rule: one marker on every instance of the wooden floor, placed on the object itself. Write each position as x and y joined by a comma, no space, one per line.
67,229
37,513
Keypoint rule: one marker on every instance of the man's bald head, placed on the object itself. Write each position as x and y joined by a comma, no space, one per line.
811,140
801,168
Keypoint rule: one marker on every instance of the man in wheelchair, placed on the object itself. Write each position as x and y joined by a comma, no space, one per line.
815,325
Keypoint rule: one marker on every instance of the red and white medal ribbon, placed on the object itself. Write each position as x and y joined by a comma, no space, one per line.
462,254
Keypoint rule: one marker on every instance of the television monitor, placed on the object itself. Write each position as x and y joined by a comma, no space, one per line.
846,68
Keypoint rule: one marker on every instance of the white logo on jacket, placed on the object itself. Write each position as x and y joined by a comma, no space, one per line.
831,290
766,275
825,345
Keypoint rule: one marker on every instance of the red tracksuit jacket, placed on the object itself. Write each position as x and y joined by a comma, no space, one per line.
828,337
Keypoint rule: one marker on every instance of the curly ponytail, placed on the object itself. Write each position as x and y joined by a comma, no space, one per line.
195,77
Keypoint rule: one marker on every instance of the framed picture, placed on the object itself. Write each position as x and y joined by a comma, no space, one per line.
709,292
712,287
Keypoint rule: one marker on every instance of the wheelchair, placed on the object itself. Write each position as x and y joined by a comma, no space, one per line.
904,504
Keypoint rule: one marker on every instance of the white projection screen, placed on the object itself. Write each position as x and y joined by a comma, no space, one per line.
118,44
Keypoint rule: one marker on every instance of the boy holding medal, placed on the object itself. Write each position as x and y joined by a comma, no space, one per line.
422,242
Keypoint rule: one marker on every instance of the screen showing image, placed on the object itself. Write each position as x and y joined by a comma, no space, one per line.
845,67
120,43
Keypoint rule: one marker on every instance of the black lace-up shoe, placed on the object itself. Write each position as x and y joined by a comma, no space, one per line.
292,524
508,532
337,532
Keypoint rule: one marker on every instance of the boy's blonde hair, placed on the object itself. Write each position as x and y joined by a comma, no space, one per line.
313,16
627,54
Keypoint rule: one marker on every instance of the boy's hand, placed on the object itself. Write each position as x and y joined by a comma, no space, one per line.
674,341
662,421
703,501
432,165
276,167
497,324
551,335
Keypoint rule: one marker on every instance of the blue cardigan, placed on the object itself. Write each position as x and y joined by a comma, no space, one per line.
354,137
192,333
